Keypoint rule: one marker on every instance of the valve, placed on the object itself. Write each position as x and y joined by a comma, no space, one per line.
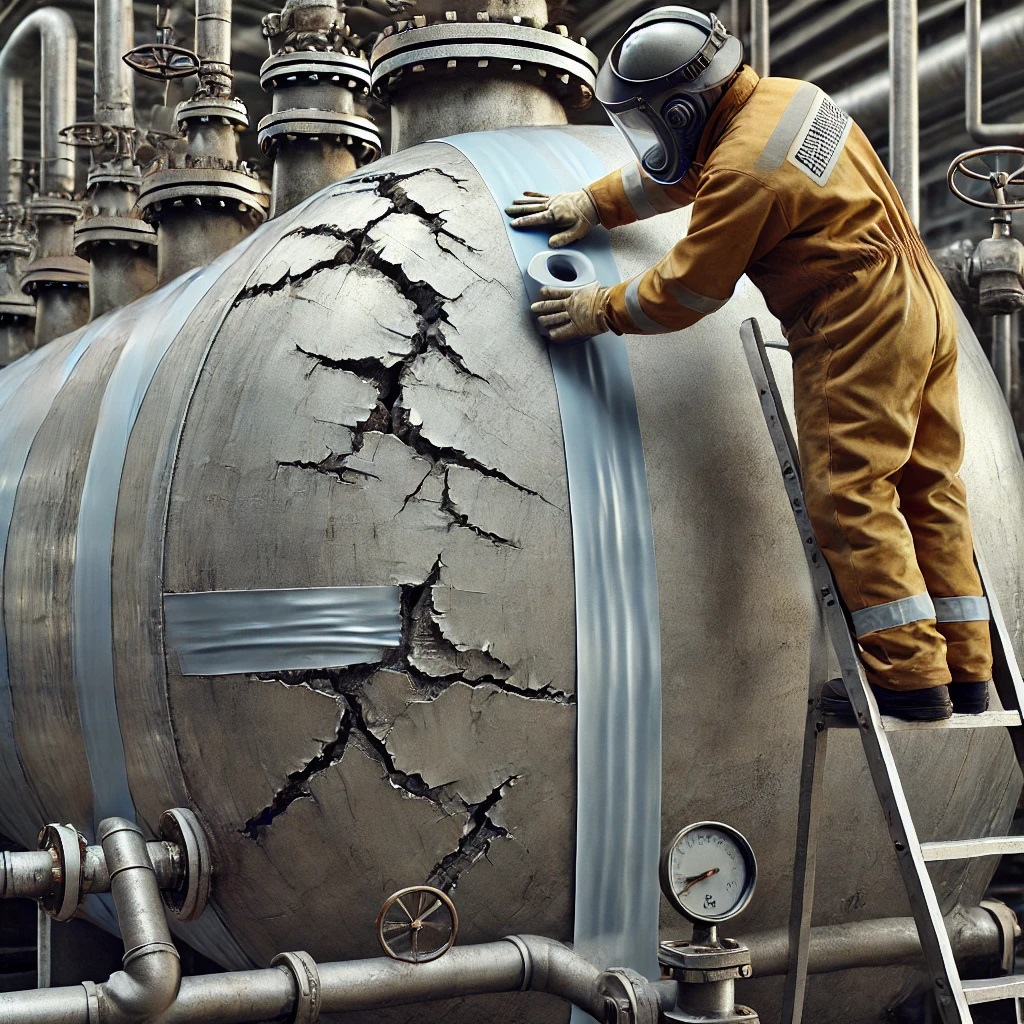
417,925
995,271
162,60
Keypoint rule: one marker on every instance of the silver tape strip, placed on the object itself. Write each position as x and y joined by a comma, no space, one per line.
227,632
633,186
961,609
893,613
19,424
618,680
774,154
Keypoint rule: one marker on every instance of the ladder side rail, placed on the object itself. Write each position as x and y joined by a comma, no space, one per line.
924,904
812,793
1005,668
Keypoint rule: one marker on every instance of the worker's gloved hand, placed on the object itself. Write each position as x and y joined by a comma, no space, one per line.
574,212
569,314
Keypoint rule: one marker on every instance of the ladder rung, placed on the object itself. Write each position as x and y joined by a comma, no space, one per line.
988,990
986,720
967,849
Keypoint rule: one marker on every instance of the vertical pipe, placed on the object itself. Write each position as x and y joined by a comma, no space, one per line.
760,37
114,34
44,948
1002,352
213,38
904,105
51,30
12,139
983,134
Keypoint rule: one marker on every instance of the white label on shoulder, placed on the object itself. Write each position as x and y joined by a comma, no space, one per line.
820,141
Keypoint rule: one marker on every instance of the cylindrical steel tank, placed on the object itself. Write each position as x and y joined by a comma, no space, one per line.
356,396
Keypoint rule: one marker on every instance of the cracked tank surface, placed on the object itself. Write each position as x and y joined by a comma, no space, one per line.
359,399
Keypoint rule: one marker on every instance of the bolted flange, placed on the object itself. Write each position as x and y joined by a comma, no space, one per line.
55,272
549,58
102,230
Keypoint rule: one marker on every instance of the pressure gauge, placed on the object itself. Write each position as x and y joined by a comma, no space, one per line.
708,872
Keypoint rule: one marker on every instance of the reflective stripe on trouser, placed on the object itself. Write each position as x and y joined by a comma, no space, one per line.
881,443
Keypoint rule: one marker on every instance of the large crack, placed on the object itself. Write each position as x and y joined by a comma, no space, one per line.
296,786
475,842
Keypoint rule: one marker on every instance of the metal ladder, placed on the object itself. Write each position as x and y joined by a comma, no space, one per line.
954,995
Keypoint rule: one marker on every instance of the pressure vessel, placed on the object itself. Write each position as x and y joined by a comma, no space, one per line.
356,397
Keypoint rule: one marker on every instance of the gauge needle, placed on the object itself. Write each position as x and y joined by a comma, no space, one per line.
691,882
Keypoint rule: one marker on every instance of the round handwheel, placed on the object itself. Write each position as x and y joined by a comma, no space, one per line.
999,181
417,925
162,61
90,134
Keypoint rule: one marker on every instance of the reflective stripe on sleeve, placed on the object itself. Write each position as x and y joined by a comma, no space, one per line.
634,189
775,152
636,311
961,609
892,614
691,300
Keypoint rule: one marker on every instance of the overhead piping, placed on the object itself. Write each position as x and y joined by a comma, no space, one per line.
998,134
760,37
51,31
941,74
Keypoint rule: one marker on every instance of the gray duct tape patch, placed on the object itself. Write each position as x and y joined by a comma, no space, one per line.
618,644
224,632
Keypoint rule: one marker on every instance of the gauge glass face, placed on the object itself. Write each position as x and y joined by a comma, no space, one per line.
710,874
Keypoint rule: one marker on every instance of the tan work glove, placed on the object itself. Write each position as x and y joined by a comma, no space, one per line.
574,212
568,314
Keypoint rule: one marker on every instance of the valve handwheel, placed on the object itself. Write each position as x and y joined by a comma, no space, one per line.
417,925
999,181
162,61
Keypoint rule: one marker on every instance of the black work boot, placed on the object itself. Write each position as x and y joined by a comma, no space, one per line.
930,705
969,698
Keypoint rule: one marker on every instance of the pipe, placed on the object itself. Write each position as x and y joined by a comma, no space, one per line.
760,38
888,942
1003,352
33,874
984,134
213,42
113,92
941,71
520,963
53,32
904,105
148,982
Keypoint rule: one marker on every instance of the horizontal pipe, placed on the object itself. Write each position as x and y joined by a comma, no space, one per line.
941,73
45,41
888,942
31,874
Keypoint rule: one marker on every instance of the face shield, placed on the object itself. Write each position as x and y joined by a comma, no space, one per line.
663,135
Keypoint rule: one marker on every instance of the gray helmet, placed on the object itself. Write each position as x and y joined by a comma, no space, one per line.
661,81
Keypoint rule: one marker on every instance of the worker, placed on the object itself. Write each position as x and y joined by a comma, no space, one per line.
786,188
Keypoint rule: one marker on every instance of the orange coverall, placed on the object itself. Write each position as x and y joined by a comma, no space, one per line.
787,189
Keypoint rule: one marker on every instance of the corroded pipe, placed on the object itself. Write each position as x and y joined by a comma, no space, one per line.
52,31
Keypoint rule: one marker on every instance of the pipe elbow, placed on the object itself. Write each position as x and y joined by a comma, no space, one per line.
552,967
146,987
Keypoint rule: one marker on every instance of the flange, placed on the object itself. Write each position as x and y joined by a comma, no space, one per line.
214,188
307,985
113,230
228,111
341,69
357,134
68,848
55,272
556,62
182,828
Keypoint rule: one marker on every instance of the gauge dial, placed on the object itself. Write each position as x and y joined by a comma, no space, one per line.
708,872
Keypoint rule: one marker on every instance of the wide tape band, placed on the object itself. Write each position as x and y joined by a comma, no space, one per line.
224,632
618,643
